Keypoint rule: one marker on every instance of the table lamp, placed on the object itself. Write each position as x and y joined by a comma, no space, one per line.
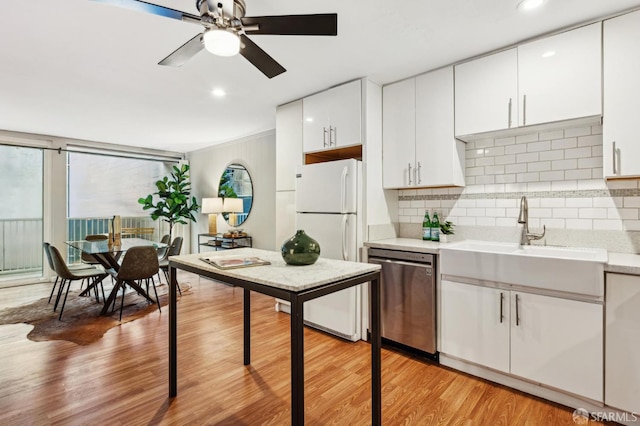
233,206
212,206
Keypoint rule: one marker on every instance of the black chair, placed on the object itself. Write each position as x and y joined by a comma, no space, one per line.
139,263
67,276
174,250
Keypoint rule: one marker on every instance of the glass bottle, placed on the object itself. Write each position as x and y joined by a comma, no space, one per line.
426,226
435,227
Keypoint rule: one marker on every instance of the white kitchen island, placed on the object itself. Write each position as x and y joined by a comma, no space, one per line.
296,284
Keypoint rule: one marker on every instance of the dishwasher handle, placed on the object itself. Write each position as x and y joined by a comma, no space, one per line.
427,266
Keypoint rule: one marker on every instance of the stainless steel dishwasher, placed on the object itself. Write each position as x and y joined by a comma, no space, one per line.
407,298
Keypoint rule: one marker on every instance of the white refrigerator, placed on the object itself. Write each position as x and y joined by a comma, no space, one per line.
328,206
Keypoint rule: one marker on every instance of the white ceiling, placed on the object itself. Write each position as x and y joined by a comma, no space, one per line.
85,70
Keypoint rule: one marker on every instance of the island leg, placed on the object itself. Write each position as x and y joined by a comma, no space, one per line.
376,364
247,326
173,333
297,362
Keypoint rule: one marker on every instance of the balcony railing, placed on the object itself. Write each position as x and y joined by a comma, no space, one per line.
20,246
21,240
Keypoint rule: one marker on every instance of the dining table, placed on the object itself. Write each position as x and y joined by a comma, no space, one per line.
296,284
107,254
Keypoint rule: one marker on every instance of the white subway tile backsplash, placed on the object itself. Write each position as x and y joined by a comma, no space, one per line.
560,171
552,155
552,176
506,178
609,225
583,152
591,140
552,202
539,146
579,223
565,213
577,131
540,166
515,149
631,202
631,225
554,134
527,158
528,177
592,213
578,174
532,137
511,140
497,150
564,164
538,186
564,143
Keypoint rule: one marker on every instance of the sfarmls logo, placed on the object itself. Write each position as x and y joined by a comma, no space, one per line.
582,416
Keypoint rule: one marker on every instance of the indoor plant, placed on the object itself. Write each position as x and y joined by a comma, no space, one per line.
174,205
446,228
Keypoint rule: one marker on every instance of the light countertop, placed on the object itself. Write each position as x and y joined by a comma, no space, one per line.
624,263
279,274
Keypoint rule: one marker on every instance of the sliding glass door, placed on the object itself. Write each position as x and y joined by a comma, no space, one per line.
21,212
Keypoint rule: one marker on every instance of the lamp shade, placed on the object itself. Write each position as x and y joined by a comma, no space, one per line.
221,42
233,205
212,205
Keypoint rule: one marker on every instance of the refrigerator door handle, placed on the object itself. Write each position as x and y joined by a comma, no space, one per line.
343,181
344,237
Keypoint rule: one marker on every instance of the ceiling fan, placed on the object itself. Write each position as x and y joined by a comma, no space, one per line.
226,28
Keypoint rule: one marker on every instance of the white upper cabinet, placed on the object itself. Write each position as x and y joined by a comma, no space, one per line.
418,145
333,118
487,93
621,149
548,80
398,133
439,156
288,144
560,77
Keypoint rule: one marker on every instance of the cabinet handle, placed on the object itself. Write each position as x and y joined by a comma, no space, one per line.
510,112
614,158
409,173
332,140
419,179
324,136
501,307
517,311
524,110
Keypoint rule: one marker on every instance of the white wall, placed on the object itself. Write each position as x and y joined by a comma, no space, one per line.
257,154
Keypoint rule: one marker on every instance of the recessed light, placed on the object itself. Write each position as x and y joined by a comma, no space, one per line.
548,54
527,5
219,93
309,119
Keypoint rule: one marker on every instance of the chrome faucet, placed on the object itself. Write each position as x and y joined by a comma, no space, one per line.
523,218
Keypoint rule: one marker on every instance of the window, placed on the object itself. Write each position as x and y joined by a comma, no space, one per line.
21,173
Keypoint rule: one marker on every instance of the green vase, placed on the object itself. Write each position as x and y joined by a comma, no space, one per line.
300,249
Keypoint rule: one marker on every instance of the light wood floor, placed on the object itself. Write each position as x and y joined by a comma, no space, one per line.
123,378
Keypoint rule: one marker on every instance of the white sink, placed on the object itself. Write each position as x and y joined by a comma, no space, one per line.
566,269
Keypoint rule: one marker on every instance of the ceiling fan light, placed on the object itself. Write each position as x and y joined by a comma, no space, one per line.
221,42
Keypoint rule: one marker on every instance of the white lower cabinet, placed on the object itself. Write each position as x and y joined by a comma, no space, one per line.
622,344
549,340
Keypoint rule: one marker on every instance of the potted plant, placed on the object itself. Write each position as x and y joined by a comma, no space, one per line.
174,204
446,229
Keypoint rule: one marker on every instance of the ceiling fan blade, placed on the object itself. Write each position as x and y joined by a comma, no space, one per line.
259,58
154,9
320,24
183,53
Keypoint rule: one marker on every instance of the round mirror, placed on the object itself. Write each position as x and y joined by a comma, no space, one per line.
237,190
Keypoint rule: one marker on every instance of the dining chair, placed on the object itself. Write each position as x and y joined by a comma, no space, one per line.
86,257
72,267
174,250
139,263
68,275
162,252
